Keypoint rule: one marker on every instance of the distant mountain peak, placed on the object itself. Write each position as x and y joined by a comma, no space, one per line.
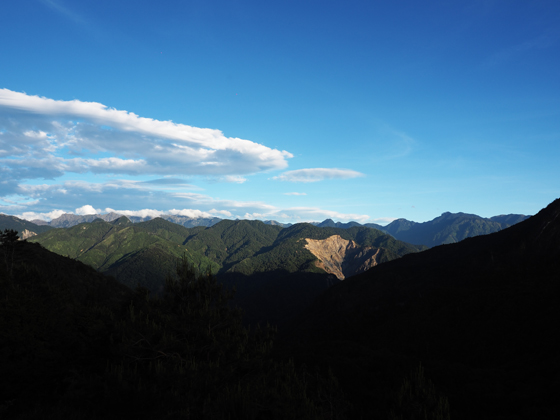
121,221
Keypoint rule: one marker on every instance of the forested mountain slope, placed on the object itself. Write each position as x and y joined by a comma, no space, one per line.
254,257
20,225
139,254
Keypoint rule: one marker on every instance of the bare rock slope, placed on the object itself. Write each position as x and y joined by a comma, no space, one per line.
342,257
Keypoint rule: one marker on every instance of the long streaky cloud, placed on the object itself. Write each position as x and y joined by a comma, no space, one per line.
317,174
34,126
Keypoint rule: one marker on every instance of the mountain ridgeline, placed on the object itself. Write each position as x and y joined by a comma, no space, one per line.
445,229
267,263
449,228
257,259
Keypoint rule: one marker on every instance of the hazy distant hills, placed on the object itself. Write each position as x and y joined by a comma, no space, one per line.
180,220
449,228
482,316
445,229
69,220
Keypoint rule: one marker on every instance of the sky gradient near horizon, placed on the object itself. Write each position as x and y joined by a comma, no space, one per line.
292,110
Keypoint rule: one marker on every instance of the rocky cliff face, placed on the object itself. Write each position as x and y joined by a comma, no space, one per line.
26,234
342,257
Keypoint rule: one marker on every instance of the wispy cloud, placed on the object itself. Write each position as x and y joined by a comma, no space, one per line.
235,179
48,216
317,174
382,220
308,214
512,52
64,11
295,193
117,196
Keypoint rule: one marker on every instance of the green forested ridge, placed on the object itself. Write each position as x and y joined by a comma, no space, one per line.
288,251
252,256
231,241
15,223
136,254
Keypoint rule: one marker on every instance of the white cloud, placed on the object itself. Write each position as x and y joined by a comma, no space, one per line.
35,134
221,213
138,213
235,179
190,213
295,193
317,174
87,209
204,200
47,217
308,214
118,195
43,133
383,220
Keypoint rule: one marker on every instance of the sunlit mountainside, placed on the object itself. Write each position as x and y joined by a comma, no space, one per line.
248,255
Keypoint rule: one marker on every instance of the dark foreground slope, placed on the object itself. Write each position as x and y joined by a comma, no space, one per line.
75,344
481,315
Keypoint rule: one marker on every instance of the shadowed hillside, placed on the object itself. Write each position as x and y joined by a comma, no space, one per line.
482,315
76,344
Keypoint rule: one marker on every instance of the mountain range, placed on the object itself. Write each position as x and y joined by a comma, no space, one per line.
255,258
447,228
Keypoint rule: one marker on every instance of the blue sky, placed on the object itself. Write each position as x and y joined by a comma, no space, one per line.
291,110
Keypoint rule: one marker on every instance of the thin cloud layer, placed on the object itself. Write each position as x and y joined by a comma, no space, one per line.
307,214
46,138
317,174
116,195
